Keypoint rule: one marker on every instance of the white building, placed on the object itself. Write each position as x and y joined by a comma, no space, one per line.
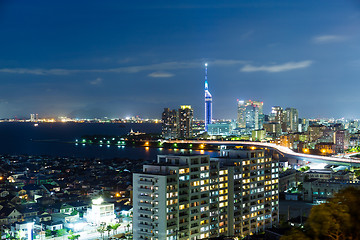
101,212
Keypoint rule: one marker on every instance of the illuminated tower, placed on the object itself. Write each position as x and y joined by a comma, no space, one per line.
208,102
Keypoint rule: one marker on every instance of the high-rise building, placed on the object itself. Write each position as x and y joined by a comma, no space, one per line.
34,117
208,102
277,114
292,119
169,124
250,115
185,120
177,123
241,120
193,197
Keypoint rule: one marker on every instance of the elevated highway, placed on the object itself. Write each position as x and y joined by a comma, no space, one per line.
286,152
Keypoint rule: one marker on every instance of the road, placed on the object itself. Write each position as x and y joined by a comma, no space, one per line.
283,150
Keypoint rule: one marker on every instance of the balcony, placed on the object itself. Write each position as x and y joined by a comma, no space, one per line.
148,205
146,233
145,190
144,211
147,183
145,219
149,227
144,197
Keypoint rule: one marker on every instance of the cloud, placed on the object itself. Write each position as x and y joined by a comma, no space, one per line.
227,62
36,71
158,67
160,75
328,38
96,81
277,68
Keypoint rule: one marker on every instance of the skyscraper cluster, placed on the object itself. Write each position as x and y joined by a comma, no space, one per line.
288,118
250,115
177,124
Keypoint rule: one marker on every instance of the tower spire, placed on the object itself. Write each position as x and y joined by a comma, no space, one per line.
206,83
208,102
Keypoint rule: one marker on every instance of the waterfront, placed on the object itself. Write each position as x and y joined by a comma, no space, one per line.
52,139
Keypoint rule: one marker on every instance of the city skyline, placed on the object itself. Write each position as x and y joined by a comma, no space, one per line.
125,59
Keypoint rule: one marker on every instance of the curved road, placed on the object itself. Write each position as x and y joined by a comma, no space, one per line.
284,150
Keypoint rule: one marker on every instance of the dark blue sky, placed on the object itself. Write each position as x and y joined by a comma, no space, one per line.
118,59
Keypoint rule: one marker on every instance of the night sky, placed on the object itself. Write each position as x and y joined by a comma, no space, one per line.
126,58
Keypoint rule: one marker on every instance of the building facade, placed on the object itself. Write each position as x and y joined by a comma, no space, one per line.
292,120
169,124
186,116
192,197
250,115
177,123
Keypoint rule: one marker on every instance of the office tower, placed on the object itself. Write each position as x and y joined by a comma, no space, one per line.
248,114
241,114
341,140
193,197
208,103
278,116
304,125
221,128
185,121
273,129
169,124
259,105
32,117
292,119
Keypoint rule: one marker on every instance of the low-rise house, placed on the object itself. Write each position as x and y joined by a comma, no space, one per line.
50,189
9,215
28,211
44,217
317,190
52,225
328,174
289,179
32,190
64,218
66,208
79,205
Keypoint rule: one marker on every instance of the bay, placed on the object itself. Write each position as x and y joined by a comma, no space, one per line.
52,139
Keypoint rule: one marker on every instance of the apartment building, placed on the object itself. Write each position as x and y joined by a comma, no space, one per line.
194,197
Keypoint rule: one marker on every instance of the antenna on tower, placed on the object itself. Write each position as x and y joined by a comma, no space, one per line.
206,84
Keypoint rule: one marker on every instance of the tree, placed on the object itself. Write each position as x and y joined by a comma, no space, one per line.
108,229
74,213
48,233
101,229
114,227
336,219
73,236
61,232
295,234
